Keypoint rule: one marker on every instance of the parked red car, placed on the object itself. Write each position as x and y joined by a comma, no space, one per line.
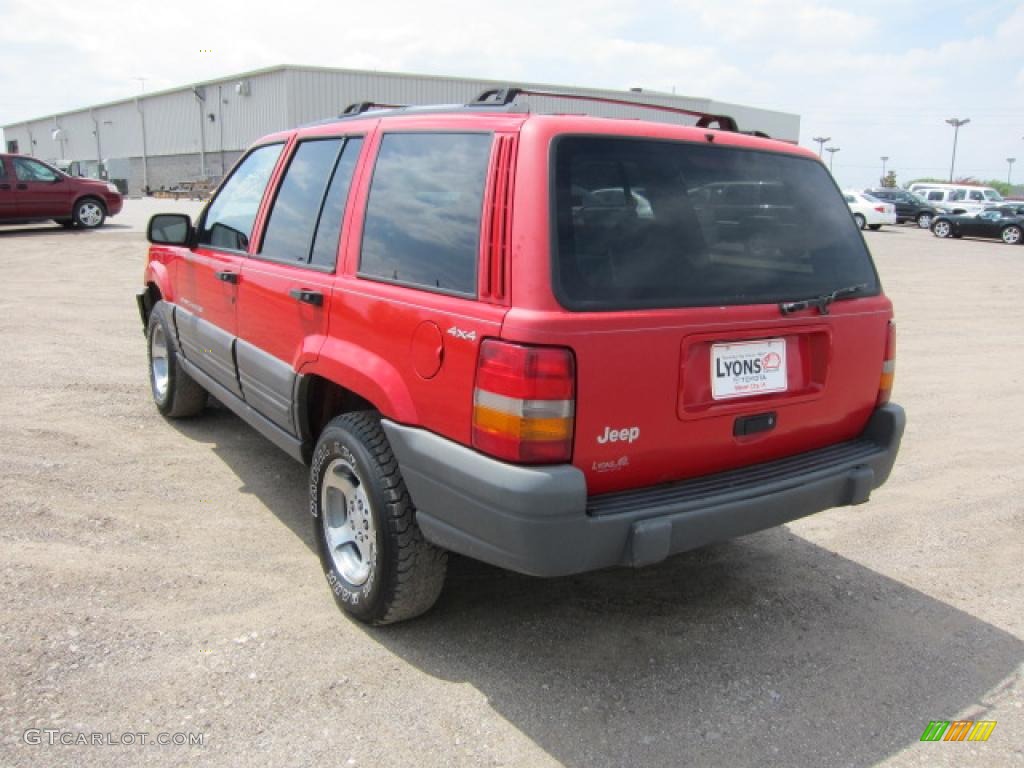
547,342
31,190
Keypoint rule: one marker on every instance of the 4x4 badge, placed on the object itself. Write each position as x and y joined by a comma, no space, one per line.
458,333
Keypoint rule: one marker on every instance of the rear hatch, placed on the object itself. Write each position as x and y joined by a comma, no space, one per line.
722,307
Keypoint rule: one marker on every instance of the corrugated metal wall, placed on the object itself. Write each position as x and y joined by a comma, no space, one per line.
235,111
176,122
318,94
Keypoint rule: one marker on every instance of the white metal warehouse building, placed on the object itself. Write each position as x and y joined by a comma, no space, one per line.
159,140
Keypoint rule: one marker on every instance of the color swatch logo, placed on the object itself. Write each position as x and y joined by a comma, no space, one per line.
958,730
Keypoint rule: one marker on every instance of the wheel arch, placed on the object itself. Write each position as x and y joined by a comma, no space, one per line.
328,387
90,196
158,287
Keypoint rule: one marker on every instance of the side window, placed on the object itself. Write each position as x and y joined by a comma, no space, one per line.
229,219
32,170
293,217
956,194
3,169
423,216
975,194
328,231
935,194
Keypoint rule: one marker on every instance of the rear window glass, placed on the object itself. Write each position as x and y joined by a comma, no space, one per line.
654,224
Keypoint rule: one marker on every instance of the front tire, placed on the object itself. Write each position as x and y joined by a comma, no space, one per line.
924,221
942,228
861,221
89,213
874,227
1011,235
176,394
377,563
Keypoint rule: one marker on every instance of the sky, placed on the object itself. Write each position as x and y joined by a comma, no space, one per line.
879,77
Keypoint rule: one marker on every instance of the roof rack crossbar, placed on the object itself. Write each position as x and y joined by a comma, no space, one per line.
360,107
500,97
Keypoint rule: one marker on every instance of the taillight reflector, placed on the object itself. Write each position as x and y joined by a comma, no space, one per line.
524,402
888,366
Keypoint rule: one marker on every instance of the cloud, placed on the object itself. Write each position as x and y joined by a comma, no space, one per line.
878,75
768,23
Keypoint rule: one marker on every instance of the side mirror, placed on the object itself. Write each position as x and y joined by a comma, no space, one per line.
169,229
57,180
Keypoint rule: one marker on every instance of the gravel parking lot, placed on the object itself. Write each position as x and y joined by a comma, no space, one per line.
160,577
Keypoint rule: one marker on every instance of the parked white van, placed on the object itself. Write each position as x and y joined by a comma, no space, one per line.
957,198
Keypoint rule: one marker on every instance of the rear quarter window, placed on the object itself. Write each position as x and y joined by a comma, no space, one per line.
422,223
717,225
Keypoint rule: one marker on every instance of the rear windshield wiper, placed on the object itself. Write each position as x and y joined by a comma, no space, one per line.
821,302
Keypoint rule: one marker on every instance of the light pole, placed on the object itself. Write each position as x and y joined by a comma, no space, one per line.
885,159
821,142
831,156
956,123
1009,171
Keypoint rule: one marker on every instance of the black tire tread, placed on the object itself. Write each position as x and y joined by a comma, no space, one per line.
185,396
417,568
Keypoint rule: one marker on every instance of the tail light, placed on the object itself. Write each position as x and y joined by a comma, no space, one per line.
880,208
524,402
888,366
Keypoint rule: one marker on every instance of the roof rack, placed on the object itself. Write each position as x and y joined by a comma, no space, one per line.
360,107
502,97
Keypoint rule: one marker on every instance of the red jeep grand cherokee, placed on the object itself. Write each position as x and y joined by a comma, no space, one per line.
31,190
554,343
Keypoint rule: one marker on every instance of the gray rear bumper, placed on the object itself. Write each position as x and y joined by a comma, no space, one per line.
539,520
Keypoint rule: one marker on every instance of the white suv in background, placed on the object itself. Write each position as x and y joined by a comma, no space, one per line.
958,198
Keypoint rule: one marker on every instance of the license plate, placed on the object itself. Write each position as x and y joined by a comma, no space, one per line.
747,368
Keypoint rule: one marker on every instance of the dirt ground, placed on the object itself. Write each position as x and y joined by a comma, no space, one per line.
159,578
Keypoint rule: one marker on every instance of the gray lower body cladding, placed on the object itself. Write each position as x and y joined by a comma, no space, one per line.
539,520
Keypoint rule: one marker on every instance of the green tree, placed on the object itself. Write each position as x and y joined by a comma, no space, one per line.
1001,187
889,180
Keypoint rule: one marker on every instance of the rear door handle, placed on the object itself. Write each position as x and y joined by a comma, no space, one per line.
228,277
23,186
5,186
307,297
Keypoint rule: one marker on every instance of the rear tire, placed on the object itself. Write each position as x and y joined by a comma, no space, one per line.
176,394
1011,235
377,563
874,227
861,221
